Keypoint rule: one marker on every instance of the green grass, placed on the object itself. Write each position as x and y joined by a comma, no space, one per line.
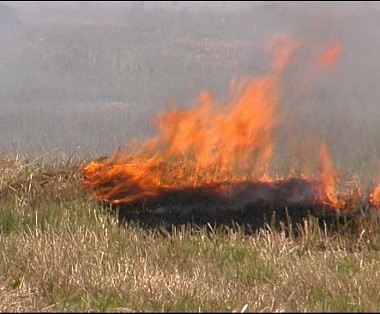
87,88
61,251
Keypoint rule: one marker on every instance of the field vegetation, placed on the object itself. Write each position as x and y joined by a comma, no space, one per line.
83,78
62,251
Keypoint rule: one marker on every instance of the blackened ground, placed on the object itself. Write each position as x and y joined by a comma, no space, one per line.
279,204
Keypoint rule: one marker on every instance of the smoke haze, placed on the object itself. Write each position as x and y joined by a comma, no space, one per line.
90,76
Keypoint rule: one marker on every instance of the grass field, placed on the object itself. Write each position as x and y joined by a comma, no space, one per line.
61,251
81,80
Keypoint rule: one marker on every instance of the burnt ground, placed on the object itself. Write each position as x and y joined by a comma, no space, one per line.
251,220
250,205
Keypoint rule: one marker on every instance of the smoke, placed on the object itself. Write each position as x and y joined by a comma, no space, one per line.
93,74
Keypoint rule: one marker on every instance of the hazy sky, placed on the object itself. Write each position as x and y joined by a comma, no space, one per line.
93,74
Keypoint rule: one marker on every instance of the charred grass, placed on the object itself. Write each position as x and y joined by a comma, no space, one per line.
62,251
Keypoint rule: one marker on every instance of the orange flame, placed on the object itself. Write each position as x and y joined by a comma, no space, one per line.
207,144
331,56
329,177
374,197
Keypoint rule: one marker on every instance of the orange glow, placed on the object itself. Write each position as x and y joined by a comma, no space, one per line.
374,197
210,143
328,177
331,56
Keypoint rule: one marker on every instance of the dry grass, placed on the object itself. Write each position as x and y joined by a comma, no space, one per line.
60,251
98,85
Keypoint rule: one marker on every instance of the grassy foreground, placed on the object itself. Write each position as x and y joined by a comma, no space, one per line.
60,251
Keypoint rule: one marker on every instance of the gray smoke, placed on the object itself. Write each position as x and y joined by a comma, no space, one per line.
90,76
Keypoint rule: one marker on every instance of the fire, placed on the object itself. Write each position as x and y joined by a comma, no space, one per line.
329,177
331,56
212,144
374,197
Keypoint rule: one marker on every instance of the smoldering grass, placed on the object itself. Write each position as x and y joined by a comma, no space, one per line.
61,251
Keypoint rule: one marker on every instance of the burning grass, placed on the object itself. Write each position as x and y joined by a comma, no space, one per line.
62,252
214,159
